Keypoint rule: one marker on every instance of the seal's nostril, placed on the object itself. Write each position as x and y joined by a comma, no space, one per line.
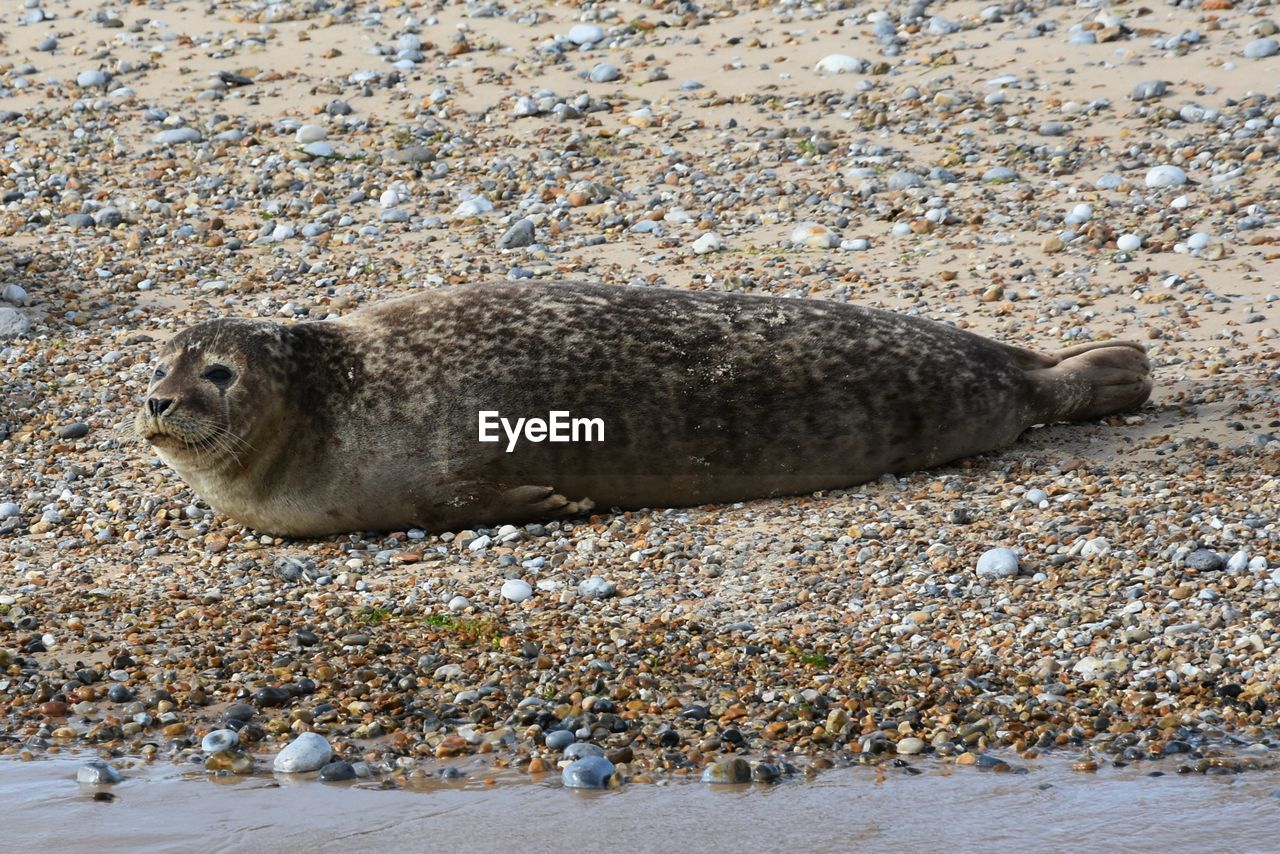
157,405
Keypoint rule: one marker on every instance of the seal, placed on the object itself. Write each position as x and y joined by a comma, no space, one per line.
375,421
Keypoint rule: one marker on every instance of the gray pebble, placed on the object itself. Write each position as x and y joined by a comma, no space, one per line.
76,430
98,773
1149,89
594,772
582,750
596,587
1205,560
559,739
1261,48
88,79
519,234
219,739
605,73
176,136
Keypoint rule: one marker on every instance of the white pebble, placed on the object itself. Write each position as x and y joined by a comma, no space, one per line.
707,243
839,63
516,590
310,133
998,563
1166,176
813,236
308,752
1128,242
458,603
1199,240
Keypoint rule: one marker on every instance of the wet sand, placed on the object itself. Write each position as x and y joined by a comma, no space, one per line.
163,809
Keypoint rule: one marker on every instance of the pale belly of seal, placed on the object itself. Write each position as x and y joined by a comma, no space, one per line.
703,398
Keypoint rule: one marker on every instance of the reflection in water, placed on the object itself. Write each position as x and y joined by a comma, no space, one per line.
168,808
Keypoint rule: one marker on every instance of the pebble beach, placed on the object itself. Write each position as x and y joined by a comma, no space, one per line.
1096,597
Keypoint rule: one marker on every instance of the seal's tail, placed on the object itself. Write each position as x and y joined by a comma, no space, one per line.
1090,381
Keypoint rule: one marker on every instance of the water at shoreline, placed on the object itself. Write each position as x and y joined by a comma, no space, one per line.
164,807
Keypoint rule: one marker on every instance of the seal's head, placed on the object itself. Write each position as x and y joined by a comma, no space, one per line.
210,397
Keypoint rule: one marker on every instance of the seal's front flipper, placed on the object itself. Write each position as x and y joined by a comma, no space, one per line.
543,502
1091,381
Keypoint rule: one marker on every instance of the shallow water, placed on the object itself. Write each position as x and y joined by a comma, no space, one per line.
166,808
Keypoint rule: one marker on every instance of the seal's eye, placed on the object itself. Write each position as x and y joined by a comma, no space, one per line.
219,375
159,374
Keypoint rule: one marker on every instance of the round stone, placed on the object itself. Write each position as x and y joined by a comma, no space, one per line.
13,323
87,79
339,771
582,750
1261,48
839,63
1128,242
998,563
811,235
586,34
727,772
219,739
999,175
308,752
605,73
1035,496
559,739
516,590
1198,240
310,133
910,746
593,772
459,603
1148,90
707,243
1205,560
1166,176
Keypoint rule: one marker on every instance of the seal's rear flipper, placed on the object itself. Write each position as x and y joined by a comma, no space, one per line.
1092,380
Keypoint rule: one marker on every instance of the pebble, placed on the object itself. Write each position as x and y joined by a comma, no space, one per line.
998,563
99,773
811,235
13,323
309,133
910,746
593,772
1166,176
582,34
1261,48
605,73
516,590
308,752
1128,242
87,79
597,587
559,739
1205,560
707,243
15,294
177,136
999,175
219,739
839,63
72,431
727,772
1149,90
520,234
339,771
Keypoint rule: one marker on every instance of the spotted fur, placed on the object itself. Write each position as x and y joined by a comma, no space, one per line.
370,422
